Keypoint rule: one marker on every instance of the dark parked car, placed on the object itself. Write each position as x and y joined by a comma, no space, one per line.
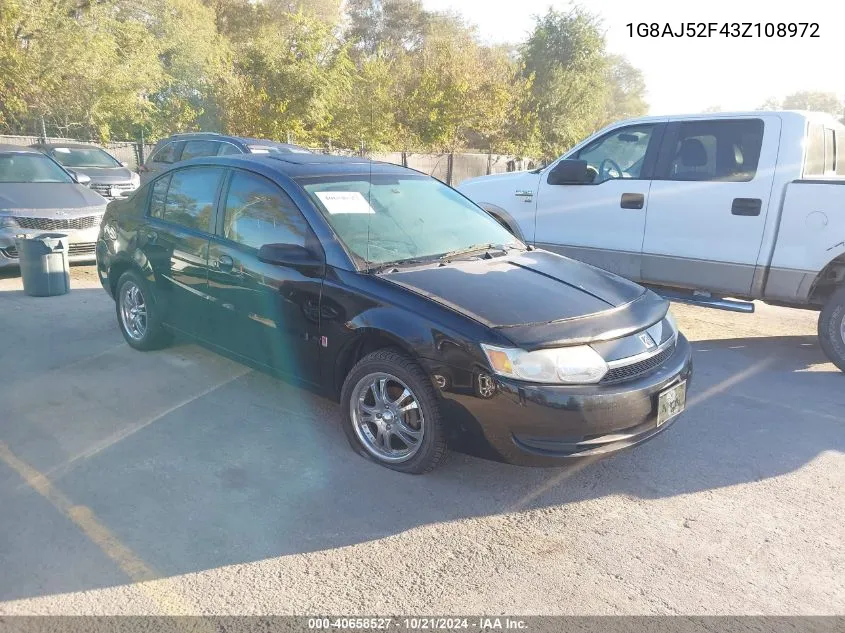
391,292
109,177
181,147
37,195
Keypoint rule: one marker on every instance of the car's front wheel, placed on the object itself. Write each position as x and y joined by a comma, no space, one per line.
137,314
391,413
832,328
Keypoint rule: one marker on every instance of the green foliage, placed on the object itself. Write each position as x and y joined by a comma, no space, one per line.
391,75
827,102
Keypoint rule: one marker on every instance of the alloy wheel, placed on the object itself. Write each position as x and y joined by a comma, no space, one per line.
133,310
387,418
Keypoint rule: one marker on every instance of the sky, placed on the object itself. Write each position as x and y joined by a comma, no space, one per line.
689,75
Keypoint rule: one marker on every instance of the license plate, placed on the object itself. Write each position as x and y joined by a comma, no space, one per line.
671,402
114,192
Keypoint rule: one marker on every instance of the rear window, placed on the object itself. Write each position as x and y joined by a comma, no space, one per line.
825,151
167,154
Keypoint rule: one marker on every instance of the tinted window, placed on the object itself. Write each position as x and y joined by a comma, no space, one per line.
227,148
258,212
199,148
167,154
159,193
619,154
716,150
190,197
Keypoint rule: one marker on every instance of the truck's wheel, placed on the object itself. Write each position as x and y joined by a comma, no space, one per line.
832,328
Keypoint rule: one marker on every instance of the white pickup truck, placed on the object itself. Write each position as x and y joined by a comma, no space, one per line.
744,205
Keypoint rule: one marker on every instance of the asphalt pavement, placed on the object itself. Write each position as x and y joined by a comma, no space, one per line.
179,481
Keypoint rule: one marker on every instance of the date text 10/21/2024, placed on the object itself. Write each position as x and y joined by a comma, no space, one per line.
725,29
480,623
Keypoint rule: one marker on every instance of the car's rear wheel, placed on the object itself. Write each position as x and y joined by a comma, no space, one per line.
832,328
137,313
392,414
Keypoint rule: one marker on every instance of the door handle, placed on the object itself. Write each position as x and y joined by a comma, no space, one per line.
746,206
224,263
632,201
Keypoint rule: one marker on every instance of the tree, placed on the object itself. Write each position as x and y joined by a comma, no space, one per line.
564,57
386,27
626,91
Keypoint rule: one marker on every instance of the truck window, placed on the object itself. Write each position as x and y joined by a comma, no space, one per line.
829,152
717,150
839,144
814,163
618,154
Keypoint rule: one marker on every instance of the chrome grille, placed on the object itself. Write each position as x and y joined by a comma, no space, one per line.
59,224
87,248
638,369
105,190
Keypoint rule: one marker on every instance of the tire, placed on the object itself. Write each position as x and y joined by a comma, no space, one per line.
832,328
395,419
144,332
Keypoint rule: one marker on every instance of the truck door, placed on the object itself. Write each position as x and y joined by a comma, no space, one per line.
708,203
602,222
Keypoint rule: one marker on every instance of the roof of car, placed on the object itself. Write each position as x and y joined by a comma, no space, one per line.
302,165
216,136
69,145
8,147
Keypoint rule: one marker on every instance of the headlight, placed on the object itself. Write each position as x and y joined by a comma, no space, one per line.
8,222
670,318
569,365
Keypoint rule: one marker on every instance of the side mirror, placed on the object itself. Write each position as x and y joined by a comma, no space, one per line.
123,163
82,179
289,255
570,172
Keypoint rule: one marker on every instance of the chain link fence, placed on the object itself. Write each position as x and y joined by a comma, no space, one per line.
450,167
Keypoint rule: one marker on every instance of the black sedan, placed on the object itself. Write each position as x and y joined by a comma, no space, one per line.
392,293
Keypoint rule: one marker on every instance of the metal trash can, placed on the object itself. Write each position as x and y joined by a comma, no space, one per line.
44,264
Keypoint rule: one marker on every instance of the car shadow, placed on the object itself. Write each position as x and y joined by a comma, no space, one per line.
190,461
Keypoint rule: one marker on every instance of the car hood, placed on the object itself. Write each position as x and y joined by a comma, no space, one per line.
536,298
47,199
106,175
505,178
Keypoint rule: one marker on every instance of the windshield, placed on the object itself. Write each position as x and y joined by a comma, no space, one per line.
84,157
390,218
20,167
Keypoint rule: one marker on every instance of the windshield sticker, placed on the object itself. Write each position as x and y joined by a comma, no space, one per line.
62,150
337,202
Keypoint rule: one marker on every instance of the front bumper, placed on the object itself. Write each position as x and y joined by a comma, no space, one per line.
81,244
544,425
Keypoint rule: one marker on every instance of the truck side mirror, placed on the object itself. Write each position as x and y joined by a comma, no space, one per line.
570,172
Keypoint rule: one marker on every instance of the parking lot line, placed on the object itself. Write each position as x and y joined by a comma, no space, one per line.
59,470
81,516
102,537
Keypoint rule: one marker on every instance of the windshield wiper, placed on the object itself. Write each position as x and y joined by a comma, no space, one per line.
409,261
476,248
